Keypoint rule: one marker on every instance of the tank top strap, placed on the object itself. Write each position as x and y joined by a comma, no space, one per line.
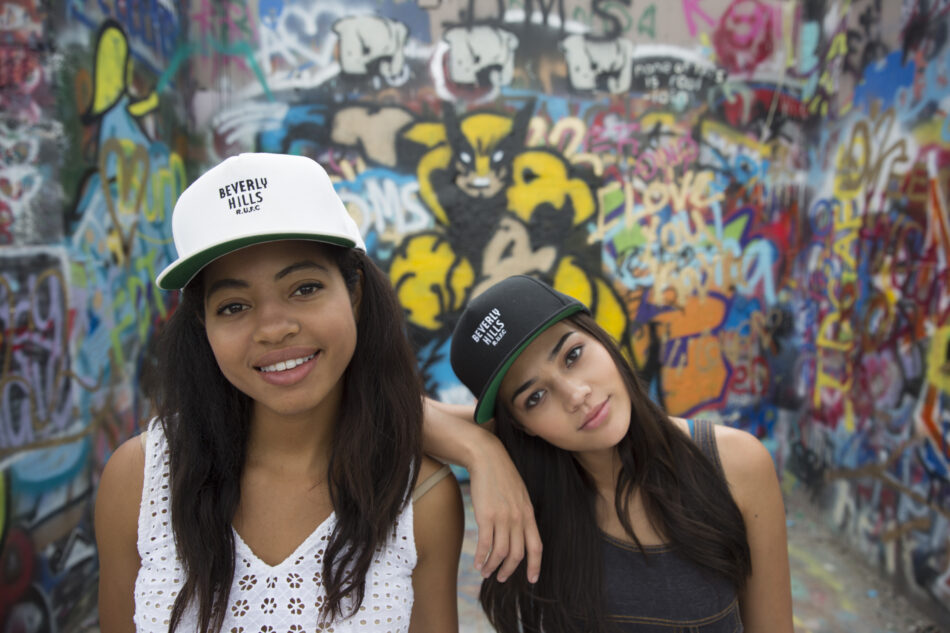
703,433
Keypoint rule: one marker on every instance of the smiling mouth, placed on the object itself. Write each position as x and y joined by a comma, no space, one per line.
284,365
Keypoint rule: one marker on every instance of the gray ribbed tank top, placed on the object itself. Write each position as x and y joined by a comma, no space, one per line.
664,592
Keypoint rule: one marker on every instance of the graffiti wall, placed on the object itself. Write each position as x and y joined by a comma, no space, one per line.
751,194
92,134
870,298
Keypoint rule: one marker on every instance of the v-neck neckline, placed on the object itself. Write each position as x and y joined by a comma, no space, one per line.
298,552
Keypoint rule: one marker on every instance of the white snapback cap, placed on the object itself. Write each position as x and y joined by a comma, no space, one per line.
253,198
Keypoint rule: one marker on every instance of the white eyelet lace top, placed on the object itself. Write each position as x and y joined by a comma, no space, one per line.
284,598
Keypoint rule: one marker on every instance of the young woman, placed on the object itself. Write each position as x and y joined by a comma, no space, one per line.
282,486
649,523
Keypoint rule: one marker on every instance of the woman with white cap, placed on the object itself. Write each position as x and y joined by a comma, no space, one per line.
282,486
649,523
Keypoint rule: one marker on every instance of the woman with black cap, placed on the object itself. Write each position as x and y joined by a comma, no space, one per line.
649,523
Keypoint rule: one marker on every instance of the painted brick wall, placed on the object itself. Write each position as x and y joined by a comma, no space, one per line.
752,195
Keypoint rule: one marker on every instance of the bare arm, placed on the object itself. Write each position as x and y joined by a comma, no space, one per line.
507,531
438,523
116,526
766,602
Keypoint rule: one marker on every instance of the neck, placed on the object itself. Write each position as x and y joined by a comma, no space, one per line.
603,467
291,444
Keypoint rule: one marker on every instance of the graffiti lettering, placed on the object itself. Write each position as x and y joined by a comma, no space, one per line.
691,8
35,389
390,208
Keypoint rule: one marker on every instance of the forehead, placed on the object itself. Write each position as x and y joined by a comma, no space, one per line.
534,357
266,258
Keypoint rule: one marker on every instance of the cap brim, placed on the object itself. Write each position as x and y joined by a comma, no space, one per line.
177,275
485,409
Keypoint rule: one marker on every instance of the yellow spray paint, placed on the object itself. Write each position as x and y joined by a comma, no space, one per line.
430,279
112,62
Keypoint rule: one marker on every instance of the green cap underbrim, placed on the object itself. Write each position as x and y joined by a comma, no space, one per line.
177,276
485,409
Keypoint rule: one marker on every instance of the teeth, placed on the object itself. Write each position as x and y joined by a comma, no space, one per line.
286,364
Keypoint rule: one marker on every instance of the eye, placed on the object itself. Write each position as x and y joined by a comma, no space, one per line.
573,355
307,288
534,399
498,156
465,157
230,309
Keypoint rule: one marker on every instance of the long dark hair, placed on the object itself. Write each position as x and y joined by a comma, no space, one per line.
206,421
685,496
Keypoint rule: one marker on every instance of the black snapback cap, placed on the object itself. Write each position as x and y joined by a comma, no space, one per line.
494,329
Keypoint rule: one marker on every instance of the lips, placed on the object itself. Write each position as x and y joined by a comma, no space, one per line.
286,368
284,365
596,417
284,359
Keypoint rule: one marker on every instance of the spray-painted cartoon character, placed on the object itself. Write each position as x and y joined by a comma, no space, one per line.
499,208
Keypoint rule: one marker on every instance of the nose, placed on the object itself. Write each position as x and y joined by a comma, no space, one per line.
576,393
274,323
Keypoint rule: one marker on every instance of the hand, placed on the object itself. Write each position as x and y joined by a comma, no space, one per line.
507,531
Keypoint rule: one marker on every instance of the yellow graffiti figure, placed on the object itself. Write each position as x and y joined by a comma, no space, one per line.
113,75
500,209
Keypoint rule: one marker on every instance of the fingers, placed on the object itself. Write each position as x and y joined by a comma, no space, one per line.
484,545
499,550
533,548
515,554
507,531
504,542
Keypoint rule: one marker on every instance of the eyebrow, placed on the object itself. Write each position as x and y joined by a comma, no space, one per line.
560,344
298,266
554,352
229,282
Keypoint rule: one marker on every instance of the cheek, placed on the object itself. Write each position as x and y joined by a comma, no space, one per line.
544,426
343,331
226,353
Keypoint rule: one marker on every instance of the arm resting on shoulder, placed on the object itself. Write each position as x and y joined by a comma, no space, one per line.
438,525
116,527
507,531
766,602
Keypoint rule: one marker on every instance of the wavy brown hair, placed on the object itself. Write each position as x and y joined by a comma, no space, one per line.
206,421
686,497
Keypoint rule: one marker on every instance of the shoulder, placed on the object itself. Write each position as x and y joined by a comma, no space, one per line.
766,601
438,523
126,463
120,488
427,468
747,463
438,511
435,482
116,528
680,424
